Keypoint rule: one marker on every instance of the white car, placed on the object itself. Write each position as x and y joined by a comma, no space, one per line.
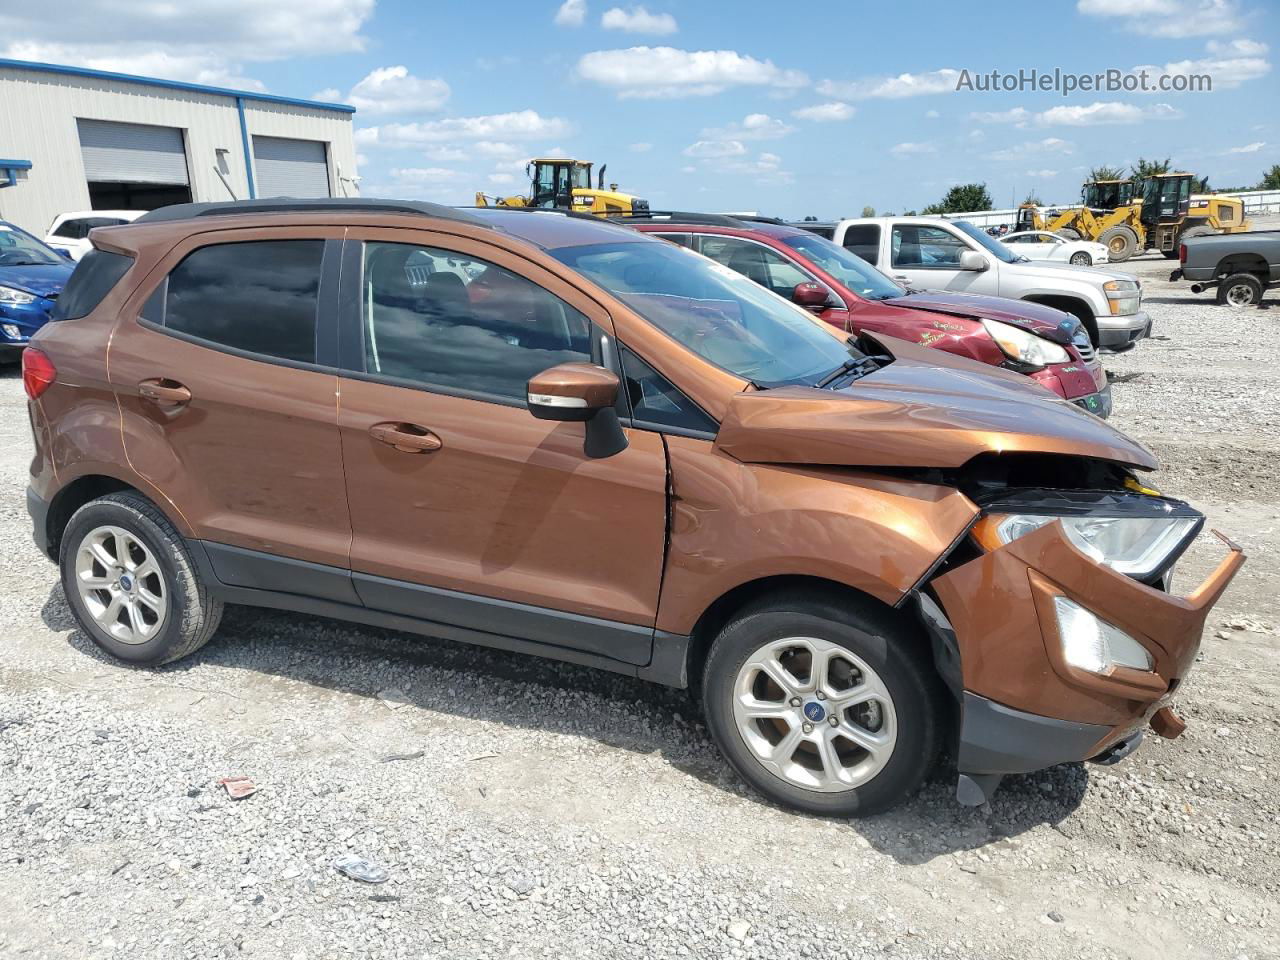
70,231
1043,245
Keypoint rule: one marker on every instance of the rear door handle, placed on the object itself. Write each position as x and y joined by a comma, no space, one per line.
164,392
406,437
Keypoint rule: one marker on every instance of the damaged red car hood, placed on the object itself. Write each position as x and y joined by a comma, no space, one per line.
1047,322
926,409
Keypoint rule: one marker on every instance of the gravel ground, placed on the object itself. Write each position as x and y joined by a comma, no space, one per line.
531,809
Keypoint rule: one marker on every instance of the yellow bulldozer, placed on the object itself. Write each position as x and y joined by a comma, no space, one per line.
556,183
1129,216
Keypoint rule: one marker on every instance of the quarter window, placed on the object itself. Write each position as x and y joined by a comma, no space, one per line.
863,239
655,399
258,296
456,322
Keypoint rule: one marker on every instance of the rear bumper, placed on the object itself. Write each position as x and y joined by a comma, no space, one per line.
38,509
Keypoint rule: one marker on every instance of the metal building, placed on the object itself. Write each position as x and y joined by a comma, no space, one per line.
76,139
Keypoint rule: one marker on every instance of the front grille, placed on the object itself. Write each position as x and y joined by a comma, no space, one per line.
1083,344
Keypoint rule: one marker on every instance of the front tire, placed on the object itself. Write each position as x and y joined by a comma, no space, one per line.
1082,259
131,584
823,705
1121,243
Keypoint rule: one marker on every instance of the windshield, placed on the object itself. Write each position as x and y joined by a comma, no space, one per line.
18,249
989,243
582,175
716,312
849,268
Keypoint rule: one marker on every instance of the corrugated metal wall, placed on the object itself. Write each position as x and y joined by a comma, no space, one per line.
38,123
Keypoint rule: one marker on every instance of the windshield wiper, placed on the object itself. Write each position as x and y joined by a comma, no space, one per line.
861,366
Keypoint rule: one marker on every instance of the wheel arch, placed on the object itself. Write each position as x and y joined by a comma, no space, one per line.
726,606
1243,263
90,486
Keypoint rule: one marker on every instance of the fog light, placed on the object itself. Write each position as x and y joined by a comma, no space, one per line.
1095,645
11,331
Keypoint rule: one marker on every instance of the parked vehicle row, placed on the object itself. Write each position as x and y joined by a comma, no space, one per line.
934,253
558,435
1046,344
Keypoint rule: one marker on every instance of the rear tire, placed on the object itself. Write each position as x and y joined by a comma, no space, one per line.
131,584
1240,290
1121,242
863,668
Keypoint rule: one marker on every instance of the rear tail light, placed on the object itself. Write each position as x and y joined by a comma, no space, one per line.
1182,253
38,372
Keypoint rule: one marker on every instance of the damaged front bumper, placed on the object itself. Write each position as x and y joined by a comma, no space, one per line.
1023,706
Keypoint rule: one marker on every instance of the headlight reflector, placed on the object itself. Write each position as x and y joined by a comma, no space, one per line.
15,296
1024,347
1134,546
1092,644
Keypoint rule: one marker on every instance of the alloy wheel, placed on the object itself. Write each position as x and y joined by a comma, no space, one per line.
814,714
121,584
1081,259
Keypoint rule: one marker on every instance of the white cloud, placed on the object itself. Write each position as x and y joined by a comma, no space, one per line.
1018,115
1229,64
202,41
641,147
892,88
932,114
390,90
1041,174
424,174
825,112
639,20
445,154
714,148
665,72
1248,147
688,169
1105,113
501,178
572,13
754,126
519,125
907,149
496,148
1169,18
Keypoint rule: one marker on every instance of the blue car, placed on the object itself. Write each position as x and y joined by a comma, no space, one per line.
31,277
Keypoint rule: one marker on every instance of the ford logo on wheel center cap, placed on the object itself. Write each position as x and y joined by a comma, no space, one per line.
814,711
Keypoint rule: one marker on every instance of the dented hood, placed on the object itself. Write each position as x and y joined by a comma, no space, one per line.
1043,321
926,409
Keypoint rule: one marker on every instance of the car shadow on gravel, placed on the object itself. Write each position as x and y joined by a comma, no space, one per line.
622,712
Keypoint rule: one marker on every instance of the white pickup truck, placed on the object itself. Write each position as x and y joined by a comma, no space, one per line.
932,253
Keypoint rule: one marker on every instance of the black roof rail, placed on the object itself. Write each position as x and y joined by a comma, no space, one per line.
753,218
678,216
503,208
187,211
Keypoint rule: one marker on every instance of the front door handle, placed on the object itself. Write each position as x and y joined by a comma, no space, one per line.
406,437
164,392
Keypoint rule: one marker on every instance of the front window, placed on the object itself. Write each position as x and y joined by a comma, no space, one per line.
851,270
987,242
20,249
718,314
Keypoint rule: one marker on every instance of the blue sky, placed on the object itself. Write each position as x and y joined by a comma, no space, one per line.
788,108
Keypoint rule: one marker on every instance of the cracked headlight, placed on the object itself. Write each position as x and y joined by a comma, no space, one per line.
1138,536
1023,347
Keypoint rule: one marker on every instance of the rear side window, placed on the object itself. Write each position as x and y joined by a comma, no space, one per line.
864,240
96,273
259,296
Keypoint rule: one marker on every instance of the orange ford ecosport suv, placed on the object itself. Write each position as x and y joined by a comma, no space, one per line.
555,435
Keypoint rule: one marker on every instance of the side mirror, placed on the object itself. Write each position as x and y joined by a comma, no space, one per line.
810,295
973,260
66,253
580,393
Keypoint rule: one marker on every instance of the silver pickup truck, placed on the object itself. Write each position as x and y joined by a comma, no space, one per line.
1240,265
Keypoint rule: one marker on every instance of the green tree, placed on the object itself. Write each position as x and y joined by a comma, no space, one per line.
868,211
1106,173
1271,179
908,213
1031,197
1200,185
1148,168
964,198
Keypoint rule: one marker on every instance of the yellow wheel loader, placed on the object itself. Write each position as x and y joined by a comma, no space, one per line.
559,184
